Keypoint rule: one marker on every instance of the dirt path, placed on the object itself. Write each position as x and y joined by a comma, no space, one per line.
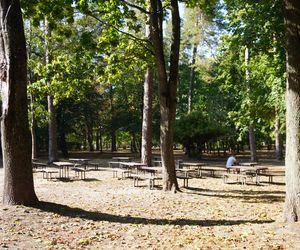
105,213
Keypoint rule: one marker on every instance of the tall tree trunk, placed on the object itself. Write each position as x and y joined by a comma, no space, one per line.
32,129
292,29
167,87
192,79
113,140
252,139
252,142
278,137
97,139
18,185
52,123
146,150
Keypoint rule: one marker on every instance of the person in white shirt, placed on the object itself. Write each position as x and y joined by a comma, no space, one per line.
231,160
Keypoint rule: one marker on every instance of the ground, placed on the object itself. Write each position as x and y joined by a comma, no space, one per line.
103,212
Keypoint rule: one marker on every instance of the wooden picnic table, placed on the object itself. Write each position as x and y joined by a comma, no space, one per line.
153,170
82,161
249,164
194,165
132,165
249,170
64,168
122,158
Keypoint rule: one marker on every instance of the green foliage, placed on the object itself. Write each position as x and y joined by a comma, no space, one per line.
196,128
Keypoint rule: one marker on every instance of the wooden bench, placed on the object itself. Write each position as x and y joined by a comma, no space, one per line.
212,170
79,172
125,172
38,166
47,173
151,180
111,164
270,175
239,177
185,180
93,165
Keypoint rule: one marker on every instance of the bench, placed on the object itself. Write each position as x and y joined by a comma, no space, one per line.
38,166
185,180
47,173
112,163
270,175
125,172
239,177
151,180
93,165
212,170
79,172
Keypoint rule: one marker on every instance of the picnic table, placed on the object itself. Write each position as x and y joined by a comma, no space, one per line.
82,161
246,171
249,164
64,168
194,165
122,158
132,165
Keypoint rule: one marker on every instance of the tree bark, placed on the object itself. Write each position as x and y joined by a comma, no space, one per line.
192,79
167,87
252,142
18,185
32,129
292,30
278,137
52,124
146,150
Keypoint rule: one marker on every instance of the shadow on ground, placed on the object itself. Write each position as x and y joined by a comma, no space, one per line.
64,210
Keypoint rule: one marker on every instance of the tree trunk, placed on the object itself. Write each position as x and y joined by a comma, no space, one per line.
278,137
192,79
32,129
167,87
113,140
52,124
146,150
292,29
18,185
252,142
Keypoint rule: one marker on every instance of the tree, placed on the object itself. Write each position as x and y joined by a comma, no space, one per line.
292,29
18,178
167,86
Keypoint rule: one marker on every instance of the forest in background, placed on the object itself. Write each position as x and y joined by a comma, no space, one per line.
91,57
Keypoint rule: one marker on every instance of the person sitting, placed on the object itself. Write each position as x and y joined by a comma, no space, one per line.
231,161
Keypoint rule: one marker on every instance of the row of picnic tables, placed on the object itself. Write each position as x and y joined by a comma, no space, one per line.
246,168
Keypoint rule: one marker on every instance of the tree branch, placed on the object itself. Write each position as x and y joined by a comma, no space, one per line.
141,41
136,7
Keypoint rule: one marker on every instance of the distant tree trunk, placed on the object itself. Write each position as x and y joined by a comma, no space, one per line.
133,143
98,139
167,87
292,159
113,140
18,185
32,130
278,137
90,136
146,150
52,124
252,142
192,79
62,140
